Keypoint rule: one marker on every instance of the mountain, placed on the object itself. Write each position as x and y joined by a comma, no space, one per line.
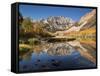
86,22
89,20
57,23
64,24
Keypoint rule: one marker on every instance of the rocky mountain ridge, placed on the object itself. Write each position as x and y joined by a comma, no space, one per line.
89,19
57,23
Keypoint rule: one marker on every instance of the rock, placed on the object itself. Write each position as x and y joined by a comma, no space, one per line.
56,63
25,67
52,60
38,60
45,67
36,64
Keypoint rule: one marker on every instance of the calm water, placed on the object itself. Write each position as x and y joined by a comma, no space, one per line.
45,61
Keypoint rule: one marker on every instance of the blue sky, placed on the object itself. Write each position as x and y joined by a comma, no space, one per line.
38,12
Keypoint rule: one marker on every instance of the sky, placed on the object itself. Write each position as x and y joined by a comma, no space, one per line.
42,12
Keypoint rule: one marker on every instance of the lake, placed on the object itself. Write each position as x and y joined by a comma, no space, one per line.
53,56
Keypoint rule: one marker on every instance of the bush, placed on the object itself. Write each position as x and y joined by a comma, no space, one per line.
23,49
33,41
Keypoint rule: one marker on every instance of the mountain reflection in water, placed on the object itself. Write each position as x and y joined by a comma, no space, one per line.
47,56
